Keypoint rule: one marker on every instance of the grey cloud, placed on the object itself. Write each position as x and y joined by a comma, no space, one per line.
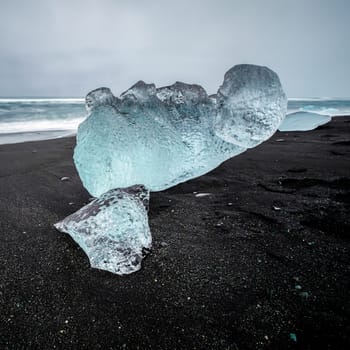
66,48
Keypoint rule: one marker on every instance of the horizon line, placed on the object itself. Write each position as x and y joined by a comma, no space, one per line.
74,98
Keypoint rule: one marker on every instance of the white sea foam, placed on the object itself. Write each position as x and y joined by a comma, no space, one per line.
42,100
39,125
325,106
318,99
27,119
34,136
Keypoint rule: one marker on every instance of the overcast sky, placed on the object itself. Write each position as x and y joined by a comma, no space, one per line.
69,47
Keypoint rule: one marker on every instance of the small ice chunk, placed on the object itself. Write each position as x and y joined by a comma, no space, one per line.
293,336
203,194
113,229
65,178
303,121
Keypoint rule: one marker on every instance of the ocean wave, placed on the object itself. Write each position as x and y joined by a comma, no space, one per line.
333,107
39,125
43,100
34,136
318,99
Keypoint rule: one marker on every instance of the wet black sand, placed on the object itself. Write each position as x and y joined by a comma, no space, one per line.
262,260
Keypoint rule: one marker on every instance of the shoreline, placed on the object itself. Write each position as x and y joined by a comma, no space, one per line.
263,255
44,135
34,136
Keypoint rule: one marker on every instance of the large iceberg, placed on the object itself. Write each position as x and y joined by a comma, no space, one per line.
159,137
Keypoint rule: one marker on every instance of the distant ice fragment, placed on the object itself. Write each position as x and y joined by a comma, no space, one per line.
65,178
303,121
113,229
203,195
160,137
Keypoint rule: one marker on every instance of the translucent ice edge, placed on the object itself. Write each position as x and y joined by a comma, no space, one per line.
303,121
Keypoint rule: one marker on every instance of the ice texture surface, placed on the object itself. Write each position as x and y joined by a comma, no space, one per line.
113,229
251,104
303,121
160,137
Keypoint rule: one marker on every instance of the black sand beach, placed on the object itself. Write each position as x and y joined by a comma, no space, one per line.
260,263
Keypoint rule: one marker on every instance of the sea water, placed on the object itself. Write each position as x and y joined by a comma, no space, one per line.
32,119
35,119
325,106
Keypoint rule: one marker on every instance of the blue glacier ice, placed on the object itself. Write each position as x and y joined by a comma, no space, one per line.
303,121
157,138
160,137
113,229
